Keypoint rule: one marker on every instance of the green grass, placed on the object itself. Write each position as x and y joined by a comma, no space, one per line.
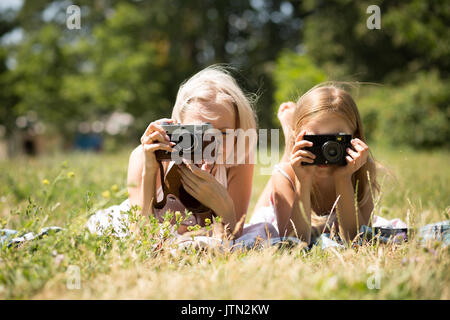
417,190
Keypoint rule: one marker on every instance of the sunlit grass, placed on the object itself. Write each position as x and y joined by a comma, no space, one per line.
64,189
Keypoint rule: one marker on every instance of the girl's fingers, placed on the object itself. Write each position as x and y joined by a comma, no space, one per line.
148,130
362,149
352,153
157,136
157,146
349,160
300,159
145,139
359,145
154,126
157,127
304,153
165,120
301,144
198,171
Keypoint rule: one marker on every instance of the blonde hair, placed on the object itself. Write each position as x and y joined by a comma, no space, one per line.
330,98
215,86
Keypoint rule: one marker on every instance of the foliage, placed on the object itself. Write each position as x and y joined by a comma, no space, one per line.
406,57
132,56
410,39
293,76
415,114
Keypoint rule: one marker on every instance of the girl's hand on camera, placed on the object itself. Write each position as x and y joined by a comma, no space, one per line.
299,155
203,186
355,159
155,138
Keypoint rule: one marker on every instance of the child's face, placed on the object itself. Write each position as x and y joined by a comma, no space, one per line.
327,123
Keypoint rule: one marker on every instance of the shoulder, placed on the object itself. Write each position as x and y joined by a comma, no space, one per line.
136,160
137,155
284,169
137,152
283,177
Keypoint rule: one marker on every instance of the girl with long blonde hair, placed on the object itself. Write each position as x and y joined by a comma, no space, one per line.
224,189
307,200
212,95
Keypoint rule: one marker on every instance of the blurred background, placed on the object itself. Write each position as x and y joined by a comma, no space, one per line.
97,88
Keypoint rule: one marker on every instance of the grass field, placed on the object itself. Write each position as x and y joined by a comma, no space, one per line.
64,189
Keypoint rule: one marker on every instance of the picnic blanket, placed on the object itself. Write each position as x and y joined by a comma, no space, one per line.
10,237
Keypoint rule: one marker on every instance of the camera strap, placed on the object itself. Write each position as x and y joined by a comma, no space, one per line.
174,187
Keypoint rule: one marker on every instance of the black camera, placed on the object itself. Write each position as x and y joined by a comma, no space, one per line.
329,148
189,142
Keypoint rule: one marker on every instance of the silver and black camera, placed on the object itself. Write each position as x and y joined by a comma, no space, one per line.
189,141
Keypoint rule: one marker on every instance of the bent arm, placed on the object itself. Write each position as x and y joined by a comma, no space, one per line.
141,182
292,208
240,189
349,220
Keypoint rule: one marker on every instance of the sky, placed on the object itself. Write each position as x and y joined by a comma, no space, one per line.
10,4
15,35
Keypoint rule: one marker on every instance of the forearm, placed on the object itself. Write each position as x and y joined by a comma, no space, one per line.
147,191
227,212
301,216
348,217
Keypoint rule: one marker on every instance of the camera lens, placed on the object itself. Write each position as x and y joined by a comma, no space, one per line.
332,151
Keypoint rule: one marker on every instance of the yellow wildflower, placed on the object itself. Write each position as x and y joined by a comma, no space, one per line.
106,194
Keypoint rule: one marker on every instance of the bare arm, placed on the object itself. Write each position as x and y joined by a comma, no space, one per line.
292,220
349,220
143,167
141,181
240,189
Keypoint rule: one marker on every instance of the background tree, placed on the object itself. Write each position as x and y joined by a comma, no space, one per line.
132,56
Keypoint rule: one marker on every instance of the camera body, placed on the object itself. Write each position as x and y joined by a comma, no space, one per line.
188,139
329,148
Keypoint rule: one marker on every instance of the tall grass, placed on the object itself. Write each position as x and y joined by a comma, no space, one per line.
65,189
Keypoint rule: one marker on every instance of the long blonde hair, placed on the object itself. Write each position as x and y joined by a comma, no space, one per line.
215,84
330,98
